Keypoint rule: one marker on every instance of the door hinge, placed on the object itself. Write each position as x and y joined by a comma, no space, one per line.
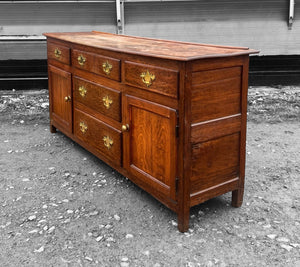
176,183
177,130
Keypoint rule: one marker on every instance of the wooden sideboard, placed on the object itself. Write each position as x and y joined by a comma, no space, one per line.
170,116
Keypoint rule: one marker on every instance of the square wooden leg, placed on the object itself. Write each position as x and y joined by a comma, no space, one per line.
237,197
52,129
183,221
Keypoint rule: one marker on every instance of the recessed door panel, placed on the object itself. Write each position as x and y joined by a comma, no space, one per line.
150,144
60,98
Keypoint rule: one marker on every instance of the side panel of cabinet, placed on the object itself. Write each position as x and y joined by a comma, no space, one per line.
218,116
60,99
150,144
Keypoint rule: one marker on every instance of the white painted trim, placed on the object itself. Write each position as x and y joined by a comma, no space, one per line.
55,1
22,38
120,16
140,1
291,13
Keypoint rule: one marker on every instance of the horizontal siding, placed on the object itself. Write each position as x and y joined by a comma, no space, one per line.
204,10
35,19
23,50
257,24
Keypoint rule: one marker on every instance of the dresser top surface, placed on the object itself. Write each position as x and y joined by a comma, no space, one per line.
150,47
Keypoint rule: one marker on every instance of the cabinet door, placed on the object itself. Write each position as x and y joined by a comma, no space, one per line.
149,144
60,99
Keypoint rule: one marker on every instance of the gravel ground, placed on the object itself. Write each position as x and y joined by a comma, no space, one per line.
61,206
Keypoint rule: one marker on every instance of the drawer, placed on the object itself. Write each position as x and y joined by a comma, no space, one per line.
151,78
59,52
97,97
102,65
98,134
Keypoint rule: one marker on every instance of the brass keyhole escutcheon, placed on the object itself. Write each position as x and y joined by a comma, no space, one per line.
107,142
81,60
147,78
67,98
57,53
83,127
107,102
82,91
107,67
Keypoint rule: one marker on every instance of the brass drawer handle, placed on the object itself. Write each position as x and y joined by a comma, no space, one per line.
147,78
81,60
82,91
67,98
57,53
107,67
107,102
108,142
83,127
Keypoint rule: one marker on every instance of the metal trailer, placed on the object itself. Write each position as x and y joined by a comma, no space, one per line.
267,25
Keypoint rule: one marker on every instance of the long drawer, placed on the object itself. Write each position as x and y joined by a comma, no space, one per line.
98,134
101,99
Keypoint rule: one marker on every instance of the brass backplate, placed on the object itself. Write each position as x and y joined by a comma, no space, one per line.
147,78
108,142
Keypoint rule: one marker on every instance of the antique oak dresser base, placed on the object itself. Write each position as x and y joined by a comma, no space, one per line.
170,116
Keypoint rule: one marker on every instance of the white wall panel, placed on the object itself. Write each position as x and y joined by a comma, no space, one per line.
257,24
33,19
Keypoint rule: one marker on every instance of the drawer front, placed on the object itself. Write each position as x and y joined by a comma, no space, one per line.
151,78
104,66
98,134
58,52
97,97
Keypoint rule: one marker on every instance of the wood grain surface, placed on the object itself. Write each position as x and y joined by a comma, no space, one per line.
150,47
180,133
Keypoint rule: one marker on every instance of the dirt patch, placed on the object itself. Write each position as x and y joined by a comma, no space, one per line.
61,206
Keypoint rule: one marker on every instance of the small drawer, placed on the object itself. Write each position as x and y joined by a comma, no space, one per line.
59,52
104,66
98,134
97,97
151,78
